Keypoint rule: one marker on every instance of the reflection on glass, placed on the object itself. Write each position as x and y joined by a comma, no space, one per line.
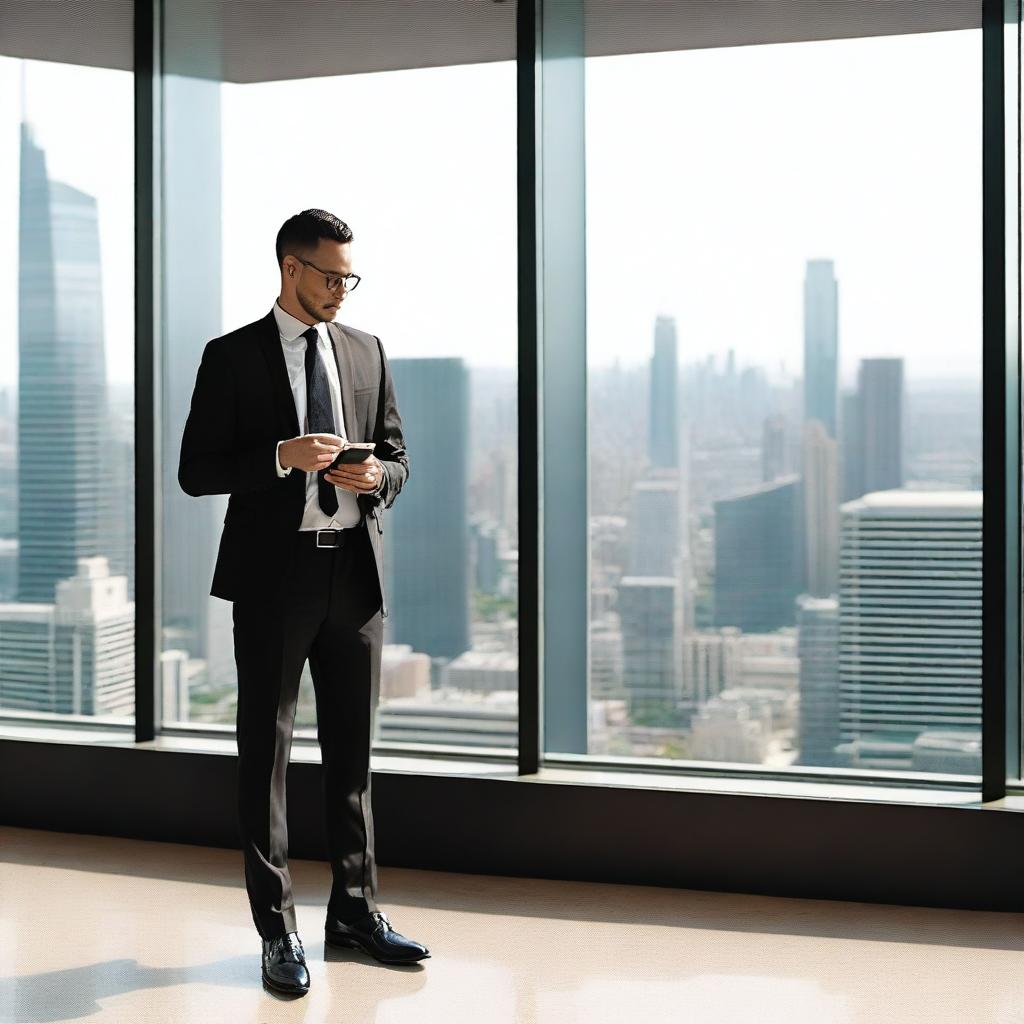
790,574
67,613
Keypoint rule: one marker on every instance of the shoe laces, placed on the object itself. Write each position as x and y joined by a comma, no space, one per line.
382,919
291,947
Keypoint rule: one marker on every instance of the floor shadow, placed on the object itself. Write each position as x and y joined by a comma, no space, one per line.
76,992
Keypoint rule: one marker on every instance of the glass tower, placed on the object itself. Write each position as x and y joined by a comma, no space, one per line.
63,486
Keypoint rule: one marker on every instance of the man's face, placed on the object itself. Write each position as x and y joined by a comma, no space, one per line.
311,291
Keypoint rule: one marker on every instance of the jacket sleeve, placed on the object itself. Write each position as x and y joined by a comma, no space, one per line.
210,461
389,444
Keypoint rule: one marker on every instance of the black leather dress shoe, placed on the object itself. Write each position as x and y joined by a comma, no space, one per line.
284,964
373,934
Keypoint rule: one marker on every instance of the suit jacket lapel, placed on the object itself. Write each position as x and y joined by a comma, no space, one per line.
343,360
270,343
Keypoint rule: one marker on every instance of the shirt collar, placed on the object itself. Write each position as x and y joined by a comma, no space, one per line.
291,329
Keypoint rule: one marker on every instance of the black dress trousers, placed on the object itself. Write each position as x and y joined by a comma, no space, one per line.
329,611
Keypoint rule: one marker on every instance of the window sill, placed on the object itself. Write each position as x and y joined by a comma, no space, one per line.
445,765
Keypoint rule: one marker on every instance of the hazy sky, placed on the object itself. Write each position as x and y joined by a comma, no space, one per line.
712,176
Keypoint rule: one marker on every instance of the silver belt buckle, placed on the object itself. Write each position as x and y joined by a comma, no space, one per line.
330,533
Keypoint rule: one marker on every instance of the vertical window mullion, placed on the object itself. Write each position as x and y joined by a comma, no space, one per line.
1002,496
147,300
527,120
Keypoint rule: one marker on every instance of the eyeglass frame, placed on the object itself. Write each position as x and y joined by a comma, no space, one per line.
342,278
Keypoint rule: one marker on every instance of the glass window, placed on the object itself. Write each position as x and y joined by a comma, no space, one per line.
420,162
784,321
67,612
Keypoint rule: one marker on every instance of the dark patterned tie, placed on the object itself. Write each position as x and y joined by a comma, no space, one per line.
319,414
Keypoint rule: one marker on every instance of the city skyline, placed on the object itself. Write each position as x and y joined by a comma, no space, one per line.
751,695
701,579
670,642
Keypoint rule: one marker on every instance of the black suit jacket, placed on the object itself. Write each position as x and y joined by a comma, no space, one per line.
242,405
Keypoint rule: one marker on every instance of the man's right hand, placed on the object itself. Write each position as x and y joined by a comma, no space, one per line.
310,452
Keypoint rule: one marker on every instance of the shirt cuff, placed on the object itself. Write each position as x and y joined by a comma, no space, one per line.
277,461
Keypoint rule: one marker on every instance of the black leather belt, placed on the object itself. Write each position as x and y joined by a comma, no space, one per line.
326,538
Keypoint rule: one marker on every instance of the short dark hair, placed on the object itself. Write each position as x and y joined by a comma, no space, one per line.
304,231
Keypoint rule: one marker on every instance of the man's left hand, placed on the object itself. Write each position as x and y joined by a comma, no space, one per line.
358,477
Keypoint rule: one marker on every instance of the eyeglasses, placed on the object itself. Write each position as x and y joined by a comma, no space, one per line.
334,281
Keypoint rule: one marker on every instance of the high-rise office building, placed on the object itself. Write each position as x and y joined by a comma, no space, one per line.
75,654
659,505
95,631
759,557
819,456
818,648
910,619
62,390
873,429
650,620
663,433
851,452
820,459
484,537
821,344
27,656
654,522
880,387
427,540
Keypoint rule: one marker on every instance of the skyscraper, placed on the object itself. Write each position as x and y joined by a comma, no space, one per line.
427,530
818,648
910,617
821,344
759,557
663,434
654,542
820,458
651,631
872,429
63,489
880,386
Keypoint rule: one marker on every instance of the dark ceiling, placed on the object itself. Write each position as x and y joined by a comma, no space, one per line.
271,40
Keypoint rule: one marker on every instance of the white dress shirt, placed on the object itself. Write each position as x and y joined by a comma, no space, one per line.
294,346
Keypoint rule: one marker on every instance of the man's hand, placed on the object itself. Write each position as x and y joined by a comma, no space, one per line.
310,452
358,477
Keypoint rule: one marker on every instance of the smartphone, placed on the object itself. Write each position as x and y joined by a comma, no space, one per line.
353,451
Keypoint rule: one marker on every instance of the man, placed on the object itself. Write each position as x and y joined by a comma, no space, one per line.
301,559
